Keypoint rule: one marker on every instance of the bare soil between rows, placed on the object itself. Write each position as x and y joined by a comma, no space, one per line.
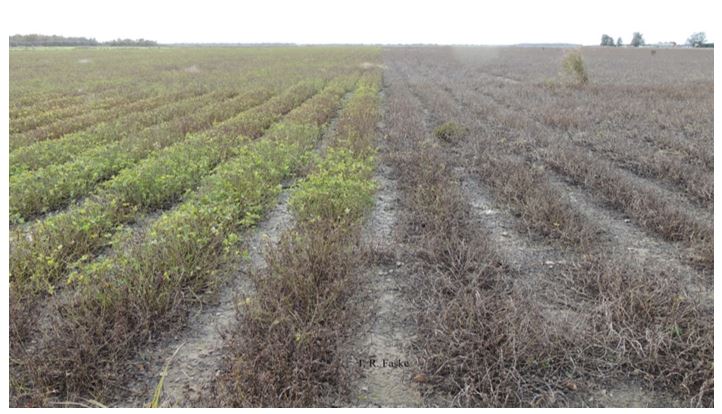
194,354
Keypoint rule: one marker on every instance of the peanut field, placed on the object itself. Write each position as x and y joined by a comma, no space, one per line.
361,226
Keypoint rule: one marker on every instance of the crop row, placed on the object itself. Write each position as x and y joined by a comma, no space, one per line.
651,208
52,102
58,151
675,167
286,347
53,106
26,106
492,336
65,126
104,96
632,139
44,96
647,205
38,77
629,300
52,187
39,119
477,345
607,129
669,116
154,275
40,258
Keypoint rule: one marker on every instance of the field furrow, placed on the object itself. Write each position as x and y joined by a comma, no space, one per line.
42,254
178,256
302,312
653,208
53,187
200,345
358,226
588,275
71,146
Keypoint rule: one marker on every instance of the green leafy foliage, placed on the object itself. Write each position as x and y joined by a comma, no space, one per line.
340,189
49,188
213,179
69,147
573,66
312,275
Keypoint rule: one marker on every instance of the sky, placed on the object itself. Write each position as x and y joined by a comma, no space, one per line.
369,21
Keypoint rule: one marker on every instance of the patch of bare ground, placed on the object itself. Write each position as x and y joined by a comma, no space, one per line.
193,355
192,69
625,394
383,346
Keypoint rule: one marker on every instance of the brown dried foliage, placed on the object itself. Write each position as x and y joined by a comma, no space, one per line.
286,349
491,337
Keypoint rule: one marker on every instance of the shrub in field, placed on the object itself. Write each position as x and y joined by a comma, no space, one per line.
449,131
573,67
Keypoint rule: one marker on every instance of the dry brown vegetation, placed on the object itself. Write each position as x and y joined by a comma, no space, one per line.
565,306
95,285
551,237
287,346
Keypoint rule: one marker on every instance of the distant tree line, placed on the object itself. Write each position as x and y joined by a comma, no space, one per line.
698,39
49,41
637,40
131,42
43,40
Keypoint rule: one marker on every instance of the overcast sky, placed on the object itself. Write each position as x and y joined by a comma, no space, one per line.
366,21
